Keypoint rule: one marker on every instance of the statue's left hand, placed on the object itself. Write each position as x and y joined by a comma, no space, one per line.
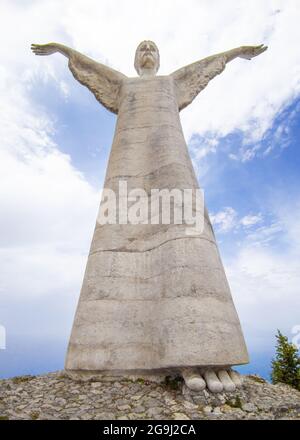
44,49
248,52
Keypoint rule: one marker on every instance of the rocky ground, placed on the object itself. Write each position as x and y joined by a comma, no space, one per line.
55,396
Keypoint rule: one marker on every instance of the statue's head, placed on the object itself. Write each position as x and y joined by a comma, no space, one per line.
146,60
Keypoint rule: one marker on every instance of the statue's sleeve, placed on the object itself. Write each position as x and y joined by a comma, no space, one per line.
191,79
101,80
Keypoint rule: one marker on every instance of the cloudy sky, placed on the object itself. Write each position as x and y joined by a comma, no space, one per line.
242,132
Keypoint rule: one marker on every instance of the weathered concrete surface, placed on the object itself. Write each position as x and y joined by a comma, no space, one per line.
153,297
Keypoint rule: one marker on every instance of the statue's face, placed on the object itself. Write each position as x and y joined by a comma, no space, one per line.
146,57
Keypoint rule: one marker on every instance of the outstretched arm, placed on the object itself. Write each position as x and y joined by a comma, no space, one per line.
50,48
246,52
191,79
103,81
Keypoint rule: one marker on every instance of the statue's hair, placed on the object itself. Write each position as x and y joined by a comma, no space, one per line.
136,55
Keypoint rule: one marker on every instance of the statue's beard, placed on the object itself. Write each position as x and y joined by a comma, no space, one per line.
148,62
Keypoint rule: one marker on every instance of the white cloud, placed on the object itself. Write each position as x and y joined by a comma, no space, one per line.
225,220
47,207
250,220
265,287
263,268
265,277
265,233
246,96
200,149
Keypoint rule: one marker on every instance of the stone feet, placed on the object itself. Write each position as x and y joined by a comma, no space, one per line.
215,381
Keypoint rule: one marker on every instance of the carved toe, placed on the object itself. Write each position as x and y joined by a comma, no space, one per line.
193,380
236,378
212,382
227,383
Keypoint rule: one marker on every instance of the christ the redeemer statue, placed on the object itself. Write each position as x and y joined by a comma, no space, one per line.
154,300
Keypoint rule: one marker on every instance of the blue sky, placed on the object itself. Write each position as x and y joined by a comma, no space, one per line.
243,137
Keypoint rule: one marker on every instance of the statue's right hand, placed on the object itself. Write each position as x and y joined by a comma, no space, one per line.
44,49
249,52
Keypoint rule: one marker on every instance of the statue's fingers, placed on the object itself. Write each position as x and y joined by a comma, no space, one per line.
37,51
257,49
40,51
41,47
262,49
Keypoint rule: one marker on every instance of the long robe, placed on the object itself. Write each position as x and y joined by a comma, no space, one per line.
152,297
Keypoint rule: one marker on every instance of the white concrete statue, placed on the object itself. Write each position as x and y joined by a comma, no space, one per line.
154,300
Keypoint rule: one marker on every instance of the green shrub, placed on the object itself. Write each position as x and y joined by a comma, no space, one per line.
21,379
286,365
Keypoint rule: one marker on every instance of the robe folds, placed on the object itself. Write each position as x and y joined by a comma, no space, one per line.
152,297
